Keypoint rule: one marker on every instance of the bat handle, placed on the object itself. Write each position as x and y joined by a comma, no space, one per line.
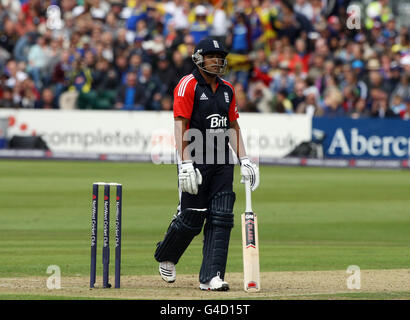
248,195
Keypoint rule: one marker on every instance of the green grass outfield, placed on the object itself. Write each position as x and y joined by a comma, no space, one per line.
309,218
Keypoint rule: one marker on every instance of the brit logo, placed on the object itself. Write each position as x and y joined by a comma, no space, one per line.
203,97
226,97
217,121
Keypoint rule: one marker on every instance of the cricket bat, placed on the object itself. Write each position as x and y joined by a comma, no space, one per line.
250,245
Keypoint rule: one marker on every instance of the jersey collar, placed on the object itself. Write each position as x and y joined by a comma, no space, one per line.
198,76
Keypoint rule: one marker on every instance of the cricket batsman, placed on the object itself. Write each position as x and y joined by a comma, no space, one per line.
205,124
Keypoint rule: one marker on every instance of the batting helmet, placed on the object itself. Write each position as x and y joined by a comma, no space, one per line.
209,46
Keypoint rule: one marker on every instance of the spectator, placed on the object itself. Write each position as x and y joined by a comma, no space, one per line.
283,104
304,7
221,23
138,13
182,65
172,37
13,74
261,68
200,28
262,97
303,54
393,78
6,101
153,48
240,34
298,95
359,110
154,19
322,48
103,89
292,57
8,36
244,105
166,103
119,10
99,9
23,45
376,84
131,94
254,25
112,23
60,73
68,30
134,63
375,77
316,66
166,72
322,82
47,100
398,106
309,105
406,114
121,66
357,68
53,58
80,77
379,105
12,8
188,51
333,104
85,46
377,11
120,44
293,24
350,79
284,80
26,94
403,88
351,98
105,78
334,26
104,47
37,60
178,11
142,31
152,88
273,63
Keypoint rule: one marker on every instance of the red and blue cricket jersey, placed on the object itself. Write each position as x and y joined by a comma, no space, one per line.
209,112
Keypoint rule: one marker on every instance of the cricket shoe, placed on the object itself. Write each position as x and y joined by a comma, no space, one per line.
167,271
216,284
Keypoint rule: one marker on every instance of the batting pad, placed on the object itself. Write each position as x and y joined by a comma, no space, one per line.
183,228
217,233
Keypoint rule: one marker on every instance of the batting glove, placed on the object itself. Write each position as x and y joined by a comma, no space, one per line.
189,178
249,171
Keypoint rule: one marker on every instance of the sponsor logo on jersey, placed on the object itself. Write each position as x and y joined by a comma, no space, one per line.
226,97
217,121
203,97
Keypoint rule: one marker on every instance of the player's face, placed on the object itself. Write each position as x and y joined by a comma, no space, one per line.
213,62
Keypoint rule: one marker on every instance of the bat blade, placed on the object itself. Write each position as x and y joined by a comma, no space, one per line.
250,245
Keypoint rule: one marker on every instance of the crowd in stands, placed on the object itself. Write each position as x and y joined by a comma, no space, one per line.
293,56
